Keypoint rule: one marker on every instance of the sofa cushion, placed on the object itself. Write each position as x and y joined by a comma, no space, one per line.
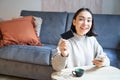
114,56
52,51
70,17
38,22
19,31
30,54
52,26
108,36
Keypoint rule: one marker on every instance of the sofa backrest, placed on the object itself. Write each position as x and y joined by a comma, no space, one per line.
53,25
107,27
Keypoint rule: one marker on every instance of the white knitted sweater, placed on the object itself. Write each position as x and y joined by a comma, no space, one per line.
82,51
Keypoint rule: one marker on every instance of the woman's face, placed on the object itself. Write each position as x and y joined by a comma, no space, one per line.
83,23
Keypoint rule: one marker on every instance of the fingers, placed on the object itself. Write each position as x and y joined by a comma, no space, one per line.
98,63
63,47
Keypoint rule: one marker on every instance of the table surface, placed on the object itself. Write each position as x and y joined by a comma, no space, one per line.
91,73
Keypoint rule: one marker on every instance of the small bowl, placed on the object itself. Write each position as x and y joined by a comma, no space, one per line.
78,72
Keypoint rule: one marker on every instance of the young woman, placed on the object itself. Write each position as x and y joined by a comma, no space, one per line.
83,49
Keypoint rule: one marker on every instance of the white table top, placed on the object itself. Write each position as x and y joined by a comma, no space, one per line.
91,73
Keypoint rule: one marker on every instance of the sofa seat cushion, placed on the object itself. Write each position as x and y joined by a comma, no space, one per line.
30,54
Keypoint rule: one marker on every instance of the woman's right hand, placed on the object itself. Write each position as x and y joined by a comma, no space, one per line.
63,48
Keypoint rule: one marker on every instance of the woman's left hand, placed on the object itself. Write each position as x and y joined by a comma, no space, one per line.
98,62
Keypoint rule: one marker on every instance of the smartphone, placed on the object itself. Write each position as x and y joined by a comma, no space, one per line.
67,35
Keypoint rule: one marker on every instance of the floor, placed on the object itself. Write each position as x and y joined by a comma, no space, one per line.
5,77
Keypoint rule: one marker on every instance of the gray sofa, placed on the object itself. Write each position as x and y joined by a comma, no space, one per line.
34,62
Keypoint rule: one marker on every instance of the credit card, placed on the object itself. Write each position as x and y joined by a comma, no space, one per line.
67,35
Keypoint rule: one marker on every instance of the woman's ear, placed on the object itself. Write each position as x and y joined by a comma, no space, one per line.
73,22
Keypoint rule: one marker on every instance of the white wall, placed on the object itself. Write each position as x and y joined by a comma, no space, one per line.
111,7
12,8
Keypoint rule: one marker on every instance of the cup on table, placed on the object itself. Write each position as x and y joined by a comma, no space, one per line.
78,72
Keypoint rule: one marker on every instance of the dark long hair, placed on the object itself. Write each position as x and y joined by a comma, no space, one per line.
92,30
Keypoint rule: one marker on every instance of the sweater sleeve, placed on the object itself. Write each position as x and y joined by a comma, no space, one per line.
100,53
58,62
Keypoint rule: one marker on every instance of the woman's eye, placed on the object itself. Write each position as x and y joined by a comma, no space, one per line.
81,19
89,20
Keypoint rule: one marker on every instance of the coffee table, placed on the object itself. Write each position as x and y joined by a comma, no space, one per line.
91,73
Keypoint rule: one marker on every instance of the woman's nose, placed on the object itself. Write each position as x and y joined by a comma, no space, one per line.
85,22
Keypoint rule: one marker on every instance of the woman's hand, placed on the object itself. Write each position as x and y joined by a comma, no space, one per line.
98,62
63,48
